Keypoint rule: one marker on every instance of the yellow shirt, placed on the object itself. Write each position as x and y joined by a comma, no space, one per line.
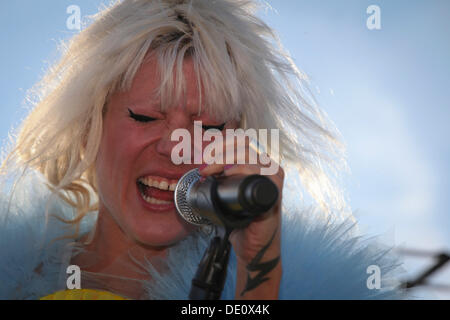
82,294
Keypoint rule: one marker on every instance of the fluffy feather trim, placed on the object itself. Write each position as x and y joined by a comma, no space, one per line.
322,259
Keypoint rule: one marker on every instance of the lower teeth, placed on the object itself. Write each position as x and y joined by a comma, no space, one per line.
153,200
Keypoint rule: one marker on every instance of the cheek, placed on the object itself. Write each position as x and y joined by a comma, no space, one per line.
116,152
114,169
105,173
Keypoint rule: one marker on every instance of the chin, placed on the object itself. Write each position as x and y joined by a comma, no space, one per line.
162,241
160,233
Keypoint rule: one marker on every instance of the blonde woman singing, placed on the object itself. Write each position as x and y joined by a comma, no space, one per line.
88,179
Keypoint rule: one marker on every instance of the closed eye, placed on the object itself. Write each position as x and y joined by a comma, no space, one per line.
140,118
220,128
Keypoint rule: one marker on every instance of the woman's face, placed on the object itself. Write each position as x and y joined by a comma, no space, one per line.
135,151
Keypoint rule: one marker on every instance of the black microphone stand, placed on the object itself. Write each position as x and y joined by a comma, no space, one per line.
209,280
232,204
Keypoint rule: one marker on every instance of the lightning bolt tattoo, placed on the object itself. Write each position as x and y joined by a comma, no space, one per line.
263,268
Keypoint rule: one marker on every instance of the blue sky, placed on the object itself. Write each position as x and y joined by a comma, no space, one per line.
386,90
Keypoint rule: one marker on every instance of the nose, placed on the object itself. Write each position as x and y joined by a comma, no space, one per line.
176,118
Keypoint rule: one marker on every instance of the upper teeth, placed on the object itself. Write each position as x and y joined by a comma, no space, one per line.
160,183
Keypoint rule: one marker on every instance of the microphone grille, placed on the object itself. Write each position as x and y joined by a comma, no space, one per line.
184,208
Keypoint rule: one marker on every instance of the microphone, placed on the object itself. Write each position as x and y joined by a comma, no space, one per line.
228,202
232,202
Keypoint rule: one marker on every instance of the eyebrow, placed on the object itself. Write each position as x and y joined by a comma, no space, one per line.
150,100
142,102
143,106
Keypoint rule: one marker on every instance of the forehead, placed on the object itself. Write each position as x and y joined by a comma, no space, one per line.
147,82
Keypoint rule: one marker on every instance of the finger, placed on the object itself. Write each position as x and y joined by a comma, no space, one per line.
246,169
208,170
239,148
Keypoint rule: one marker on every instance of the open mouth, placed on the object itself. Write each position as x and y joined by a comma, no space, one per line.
157,191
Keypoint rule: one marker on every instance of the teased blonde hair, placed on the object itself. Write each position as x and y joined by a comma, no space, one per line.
238,61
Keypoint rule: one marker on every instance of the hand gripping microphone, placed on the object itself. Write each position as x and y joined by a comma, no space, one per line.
228,203
232,202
